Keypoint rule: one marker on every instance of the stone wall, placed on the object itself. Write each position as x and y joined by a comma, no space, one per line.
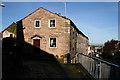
73,43
82,44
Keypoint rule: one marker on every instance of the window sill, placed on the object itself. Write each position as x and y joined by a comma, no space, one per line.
52,27
52,47
37,27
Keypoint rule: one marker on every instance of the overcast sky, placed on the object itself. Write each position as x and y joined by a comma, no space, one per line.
98,21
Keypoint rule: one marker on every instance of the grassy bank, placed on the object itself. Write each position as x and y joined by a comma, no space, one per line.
75,71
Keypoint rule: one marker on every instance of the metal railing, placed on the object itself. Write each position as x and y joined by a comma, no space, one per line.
98,68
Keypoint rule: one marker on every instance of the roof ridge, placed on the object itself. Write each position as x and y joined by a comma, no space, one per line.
45,10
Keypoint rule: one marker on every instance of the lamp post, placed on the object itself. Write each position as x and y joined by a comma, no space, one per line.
2,5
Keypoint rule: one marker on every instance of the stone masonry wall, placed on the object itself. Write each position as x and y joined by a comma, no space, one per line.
82,44
61,32
73,42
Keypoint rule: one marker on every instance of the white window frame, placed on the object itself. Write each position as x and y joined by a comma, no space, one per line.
49,42
35,23
49,23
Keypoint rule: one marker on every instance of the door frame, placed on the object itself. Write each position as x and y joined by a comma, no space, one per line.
39,42
36,38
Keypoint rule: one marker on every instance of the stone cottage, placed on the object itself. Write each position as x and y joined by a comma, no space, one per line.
10,31
53,33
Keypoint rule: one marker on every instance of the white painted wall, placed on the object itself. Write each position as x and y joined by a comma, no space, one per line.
7,34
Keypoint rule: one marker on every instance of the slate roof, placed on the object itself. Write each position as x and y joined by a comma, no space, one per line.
12,28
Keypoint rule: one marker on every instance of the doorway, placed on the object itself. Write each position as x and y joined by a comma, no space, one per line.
36,42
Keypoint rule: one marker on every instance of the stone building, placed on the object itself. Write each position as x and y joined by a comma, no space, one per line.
52,33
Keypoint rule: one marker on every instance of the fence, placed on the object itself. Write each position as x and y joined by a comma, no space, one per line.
99,69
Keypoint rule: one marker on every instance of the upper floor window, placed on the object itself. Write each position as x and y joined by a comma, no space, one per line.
52,42
37,23
52,23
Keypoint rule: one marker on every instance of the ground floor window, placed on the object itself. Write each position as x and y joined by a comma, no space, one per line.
52,42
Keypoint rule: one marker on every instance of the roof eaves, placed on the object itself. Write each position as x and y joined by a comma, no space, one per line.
79,32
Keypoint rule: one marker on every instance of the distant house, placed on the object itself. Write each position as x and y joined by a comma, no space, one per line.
90,50
10,31
95,49
0,41
52,33
1,36
117,45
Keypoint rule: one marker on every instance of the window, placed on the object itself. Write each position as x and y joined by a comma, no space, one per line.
52,42
11,35
73,32
73,48
52,23
37,24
